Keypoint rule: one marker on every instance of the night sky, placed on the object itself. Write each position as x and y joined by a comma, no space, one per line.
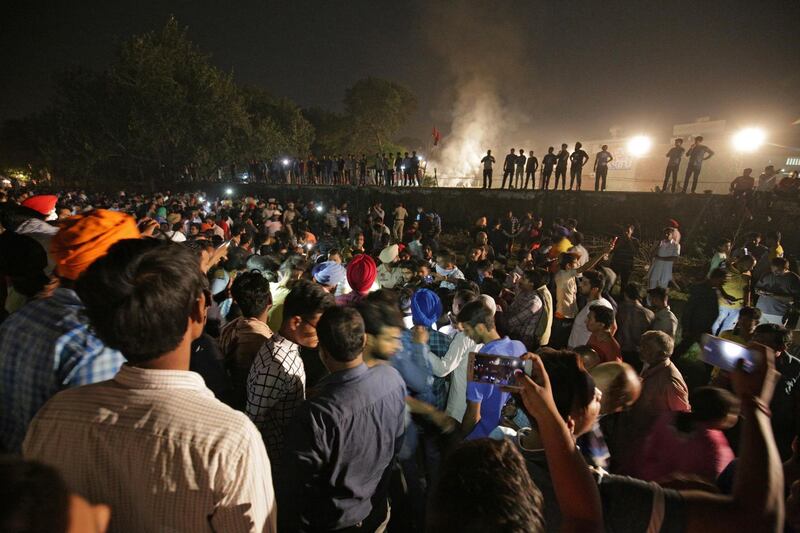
557,68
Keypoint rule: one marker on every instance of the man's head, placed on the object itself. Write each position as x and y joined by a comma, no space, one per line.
477,321
250,291
774,336
655,346
592,284
383,325
599,318
724,246
659,297
146,298
34,498
632,292
341,338
446,259
678,142
488,152
568,261
748,320
302,310
512,151
620,385
564,146
578,146
745,263
747,172
550,149
497,467
698,139
604,147
461,298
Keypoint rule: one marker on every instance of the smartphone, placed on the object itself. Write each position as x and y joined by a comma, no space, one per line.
614,241
496,370
724,354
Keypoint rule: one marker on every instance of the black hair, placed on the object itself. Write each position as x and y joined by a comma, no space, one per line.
718,273
476,312
708,404
576,237
537,277
658,292
750,312
237,259
484,485
139,296
379,312
779,262
33,498
341,333
596,279
250,291
573,387
633,291
773,335
602,314
306,299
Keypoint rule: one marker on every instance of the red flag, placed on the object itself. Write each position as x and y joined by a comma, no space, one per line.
437,135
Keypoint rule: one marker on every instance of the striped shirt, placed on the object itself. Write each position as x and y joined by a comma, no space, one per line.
275,389
160,450
46,347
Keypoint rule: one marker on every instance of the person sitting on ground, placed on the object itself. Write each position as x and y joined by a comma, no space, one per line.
47,345
148,299
34,498
692,443
599,322
277,378
341,445
242,338
663,317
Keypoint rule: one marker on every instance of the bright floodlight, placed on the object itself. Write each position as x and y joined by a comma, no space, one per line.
319,209
639,146
285,162
749,139
228,191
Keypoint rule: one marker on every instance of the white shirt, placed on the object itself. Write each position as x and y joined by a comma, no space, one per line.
579,335
455,361
160,450
566,292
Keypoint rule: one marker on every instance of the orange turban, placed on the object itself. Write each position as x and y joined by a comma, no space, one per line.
83,238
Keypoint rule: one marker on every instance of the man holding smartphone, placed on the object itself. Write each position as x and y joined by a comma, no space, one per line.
484,401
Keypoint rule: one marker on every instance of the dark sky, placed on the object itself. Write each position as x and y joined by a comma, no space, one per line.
561,67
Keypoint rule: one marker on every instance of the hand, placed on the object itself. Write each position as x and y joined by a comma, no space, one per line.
445,423
420,335
147,226
536,392
760,383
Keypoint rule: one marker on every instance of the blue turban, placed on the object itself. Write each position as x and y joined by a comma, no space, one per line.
426,308
329,273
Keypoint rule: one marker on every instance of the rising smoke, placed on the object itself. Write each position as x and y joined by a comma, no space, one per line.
488,99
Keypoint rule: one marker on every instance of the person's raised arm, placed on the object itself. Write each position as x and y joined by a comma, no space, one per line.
575,488
592,262
757,500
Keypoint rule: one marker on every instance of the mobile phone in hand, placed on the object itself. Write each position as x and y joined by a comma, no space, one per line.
497,370
725,354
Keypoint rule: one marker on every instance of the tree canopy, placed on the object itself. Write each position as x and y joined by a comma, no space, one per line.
162,110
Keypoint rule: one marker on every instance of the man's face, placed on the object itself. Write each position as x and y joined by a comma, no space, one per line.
387,343
593,325
408,274
747,324
475,254
471,332
585,287
423,271
360,241
584,420
305,332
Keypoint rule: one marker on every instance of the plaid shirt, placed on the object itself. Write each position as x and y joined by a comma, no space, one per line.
276,386
439,343
46,347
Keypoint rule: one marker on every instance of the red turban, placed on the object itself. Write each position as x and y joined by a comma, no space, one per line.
83,238
361,273
41,203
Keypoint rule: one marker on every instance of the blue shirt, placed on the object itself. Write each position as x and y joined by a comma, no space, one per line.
46,347
491,398
339,450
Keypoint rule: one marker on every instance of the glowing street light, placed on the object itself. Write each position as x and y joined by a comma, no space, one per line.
286,162
639,146
749,139
229,191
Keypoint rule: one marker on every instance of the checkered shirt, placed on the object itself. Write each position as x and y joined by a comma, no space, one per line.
275,389
45,347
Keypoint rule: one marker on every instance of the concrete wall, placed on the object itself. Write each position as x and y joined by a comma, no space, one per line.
703,217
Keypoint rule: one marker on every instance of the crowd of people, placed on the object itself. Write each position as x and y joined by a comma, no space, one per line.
172,362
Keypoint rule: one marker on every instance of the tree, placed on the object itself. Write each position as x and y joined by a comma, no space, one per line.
279,126
376,109
330,134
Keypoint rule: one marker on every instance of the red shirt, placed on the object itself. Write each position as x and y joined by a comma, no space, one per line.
608,350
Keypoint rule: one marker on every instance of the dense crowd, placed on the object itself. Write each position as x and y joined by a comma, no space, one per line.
173,362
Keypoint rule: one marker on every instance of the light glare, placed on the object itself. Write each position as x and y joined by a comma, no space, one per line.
639,146
749,139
